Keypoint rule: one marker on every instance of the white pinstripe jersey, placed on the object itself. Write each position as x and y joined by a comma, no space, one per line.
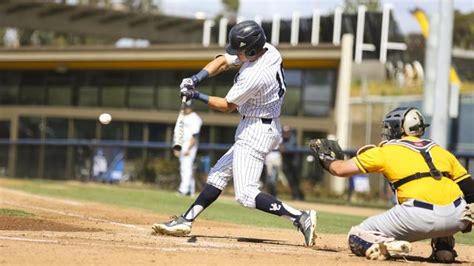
259,87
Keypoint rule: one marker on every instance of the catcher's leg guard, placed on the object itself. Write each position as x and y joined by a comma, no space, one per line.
358,245
443,249
375,245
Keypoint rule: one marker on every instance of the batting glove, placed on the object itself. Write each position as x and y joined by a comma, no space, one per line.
187,83
190,93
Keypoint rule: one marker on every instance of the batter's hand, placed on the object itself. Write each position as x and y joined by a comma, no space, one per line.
189,93
187,83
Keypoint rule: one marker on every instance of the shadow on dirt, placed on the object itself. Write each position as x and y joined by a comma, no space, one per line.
194,239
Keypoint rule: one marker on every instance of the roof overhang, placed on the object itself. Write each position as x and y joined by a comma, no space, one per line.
160,57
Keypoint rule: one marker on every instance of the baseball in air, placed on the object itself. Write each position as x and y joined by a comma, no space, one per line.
105,118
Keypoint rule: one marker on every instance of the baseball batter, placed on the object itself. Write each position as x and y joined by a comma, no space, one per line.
192,125
257,94
432,189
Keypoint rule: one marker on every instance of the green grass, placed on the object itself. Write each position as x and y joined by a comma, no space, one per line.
166,202
10,212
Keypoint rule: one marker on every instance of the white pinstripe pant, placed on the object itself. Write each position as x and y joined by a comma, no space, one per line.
245,159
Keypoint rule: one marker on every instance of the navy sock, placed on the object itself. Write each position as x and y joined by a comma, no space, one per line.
267,203
207,196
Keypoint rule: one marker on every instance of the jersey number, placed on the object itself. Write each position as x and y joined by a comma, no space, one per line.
280,77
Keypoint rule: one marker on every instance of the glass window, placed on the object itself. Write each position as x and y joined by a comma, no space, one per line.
87,83
112,131
113,88
113,96
204,134
4,129
224,135
291,104
32,90
135,131
318,92
167,97
294,78
157,132
56,128
30,127
88,96
84,129
141,97
60,96
9,87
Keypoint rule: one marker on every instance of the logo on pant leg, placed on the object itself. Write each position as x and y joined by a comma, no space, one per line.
275,207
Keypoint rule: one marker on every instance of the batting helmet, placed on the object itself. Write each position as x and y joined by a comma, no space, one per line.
247,37
403,121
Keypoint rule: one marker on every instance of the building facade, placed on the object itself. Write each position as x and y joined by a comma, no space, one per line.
50,100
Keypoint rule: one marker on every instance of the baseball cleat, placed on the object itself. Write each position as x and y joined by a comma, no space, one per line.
444,256
383,251
443,249
178,226
306,223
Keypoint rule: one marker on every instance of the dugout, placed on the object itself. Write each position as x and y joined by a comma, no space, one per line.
50,99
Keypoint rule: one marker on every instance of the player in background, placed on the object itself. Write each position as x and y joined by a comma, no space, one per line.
192,125
291,162
432,189
257,93
273,169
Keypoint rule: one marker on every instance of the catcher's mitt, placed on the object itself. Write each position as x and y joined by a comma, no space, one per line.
327,151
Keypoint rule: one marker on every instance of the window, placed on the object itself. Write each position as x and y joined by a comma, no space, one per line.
56,128
84,129
318,92
135,131
9,87
30,127
167,97
88,96
87,83
157,132
113,88
32,90
4,129
60,96
224,135
112,131
141,97
142,89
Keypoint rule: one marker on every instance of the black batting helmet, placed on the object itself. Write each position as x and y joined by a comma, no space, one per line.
246,36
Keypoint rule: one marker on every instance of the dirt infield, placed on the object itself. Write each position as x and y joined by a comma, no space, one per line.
65,232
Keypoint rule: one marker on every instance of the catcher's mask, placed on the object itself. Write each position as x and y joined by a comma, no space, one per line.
403,121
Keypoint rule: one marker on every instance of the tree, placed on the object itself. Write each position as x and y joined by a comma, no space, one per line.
463,31
351,6
231,7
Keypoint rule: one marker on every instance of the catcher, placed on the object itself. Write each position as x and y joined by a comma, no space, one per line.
435,193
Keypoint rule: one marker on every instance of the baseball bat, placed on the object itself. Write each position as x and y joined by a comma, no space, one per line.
179,128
